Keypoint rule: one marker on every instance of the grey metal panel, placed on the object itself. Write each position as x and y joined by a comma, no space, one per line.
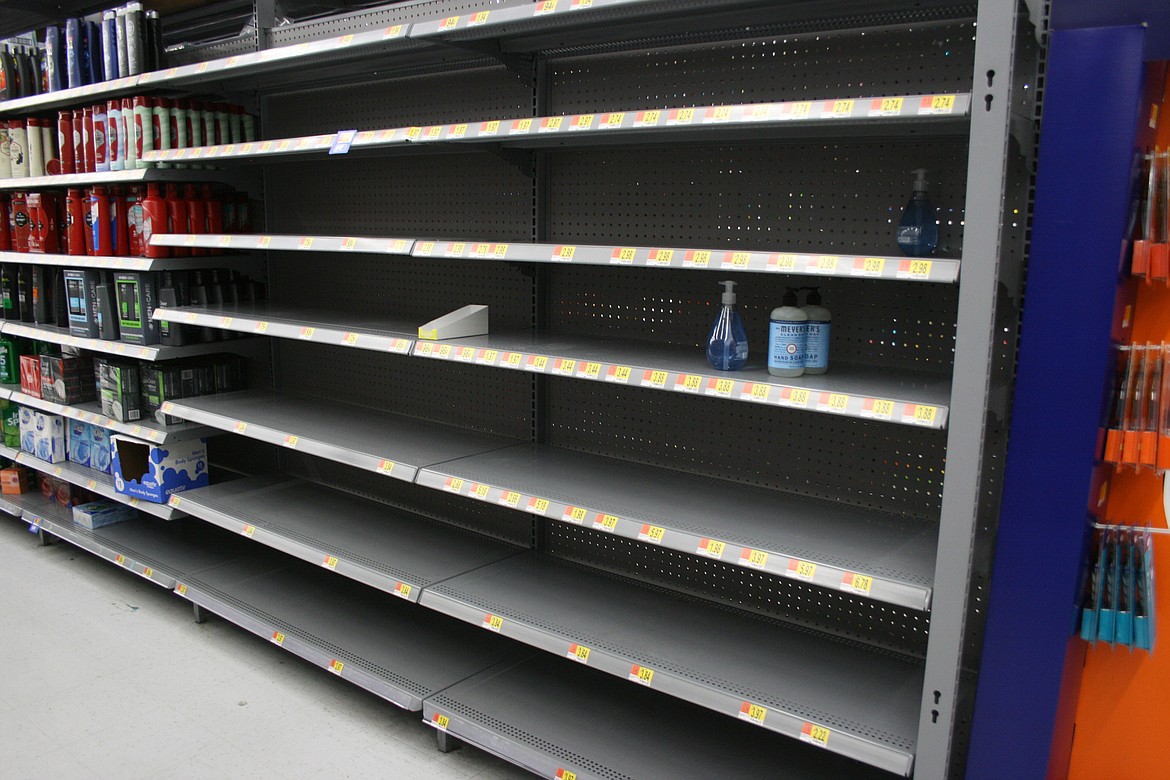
91,412
393,246
703,654
547,714
391,445
762,530
359,539
391,648
114,263
55,335
114,177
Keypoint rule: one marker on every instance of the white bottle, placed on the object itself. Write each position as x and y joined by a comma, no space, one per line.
816,354
787,337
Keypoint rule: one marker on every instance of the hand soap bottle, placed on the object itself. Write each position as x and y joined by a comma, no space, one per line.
727,346
918,230
816,353
787,337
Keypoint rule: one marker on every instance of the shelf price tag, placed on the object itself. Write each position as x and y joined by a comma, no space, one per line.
440,721
550,124
753,713
386,467
578,653
915,269
937,104
839,108
480,491
613,120
489,128
487,357
545,7
120,559
403,590
755,391
249,530
826,264
277,638
814,734
782,263
564,366
869,266
858,583
889,106
720,387
680,116
718,114
537,506
520,126
261,327
697,258
342,141
453,484
837,402
478,18
688,383
562,773
918,414
801,570
756,559
653,378
563,254
591,370
181,589
336,666
574,514
147,572
795,396
624,255
493,622
240,426
710,548
605,522
330,562
581,122
647,118
450,23
651,533
619,374
509,498
641,674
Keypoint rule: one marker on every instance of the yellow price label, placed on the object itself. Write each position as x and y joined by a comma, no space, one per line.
480,491
182,589
942,102
757,559
802,109
539,505
579,653
481,250
511,498
692,382
240,426
402,589
711,548
291,441
883,408
608,522
566,252
522,125
466,353
249,530
652,533
459,130
539,362
386,467
592,370
308,333
873,266
454,484
336,666
490,128
500,250
783,262
920,268
278,638
861,583
753,712
575,514
838,402
925,414
441,721
330,562
545,7
721,113
489,356
444,351
513,359
562,773
434,131
817,735
699,257
553,123
741,259
827,263
567,367
621,373
625,254
120,559
493,622
479,18
805,570
891,105
799,397
641,674
761,392
413,132
615,120
223,240
842,107
723,386
650,117
657,378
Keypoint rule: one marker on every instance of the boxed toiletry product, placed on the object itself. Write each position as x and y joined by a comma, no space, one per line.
67,380
95,514
153,472
81,297
10,416
15,480
43,436
79,442
120,391
100,457
30,375
137,295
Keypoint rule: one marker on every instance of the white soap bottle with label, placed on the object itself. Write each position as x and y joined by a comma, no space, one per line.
816,354
787,337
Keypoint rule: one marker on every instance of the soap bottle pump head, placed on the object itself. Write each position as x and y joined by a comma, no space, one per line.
920,180
789,298
814,296
728,293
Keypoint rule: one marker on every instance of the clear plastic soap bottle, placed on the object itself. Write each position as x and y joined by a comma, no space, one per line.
787,337
816,353
727,346
918,230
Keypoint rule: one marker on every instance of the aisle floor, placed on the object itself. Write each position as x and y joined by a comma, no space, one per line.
104,675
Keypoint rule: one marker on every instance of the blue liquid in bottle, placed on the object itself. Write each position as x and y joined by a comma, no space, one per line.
727,346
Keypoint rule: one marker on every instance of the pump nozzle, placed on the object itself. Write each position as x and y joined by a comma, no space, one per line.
920,180
789,298
728,292
814,296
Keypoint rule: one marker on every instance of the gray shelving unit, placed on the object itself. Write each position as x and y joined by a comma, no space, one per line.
56,335
91,412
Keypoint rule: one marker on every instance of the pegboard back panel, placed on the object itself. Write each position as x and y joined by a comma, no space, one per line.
896,325
893,468
441,391
467,96
850,617
402,288
478,516
441,196
804,197
927,58
406,12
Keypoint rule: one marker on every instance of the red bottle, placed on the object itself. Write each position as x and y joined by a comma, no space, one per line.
196,215
87,133
154,220
177,217
134,220
76,208
79,141
100,220
120,209
65,142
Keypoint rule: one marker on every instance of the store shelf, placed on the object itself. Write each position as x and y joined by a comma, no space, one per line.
848,699
812,264
65,97
386,444
55,335
941,113
97,481
91,412
321,327
831,544
372,639
118,263
160,553
380,246
899,397
112,177
565,720
363,540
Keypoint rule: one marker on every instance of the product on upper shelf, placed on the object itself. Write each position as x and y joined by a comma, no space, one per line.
172,380
727,345
816,352
787,337
120,390
137,296
918,229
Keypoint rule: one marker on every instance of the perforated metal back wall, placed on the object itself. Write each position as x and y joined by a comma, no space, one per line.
796,67
478,516
889,467
467,96
859,619
390,13
443,391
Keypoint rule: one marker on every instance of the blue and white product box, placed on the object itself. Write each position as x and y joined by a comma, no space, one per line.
153,472
43,435
100,458
98,513
80,440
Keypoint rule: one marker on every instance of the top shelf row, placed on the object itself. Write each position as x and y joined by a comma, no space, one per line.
518,29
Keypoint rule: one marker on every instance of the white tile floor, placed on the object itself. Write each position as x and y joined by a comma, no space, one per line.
104,675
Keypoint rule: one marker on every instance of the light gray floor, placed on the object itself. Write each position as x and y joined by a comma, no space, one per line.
105,675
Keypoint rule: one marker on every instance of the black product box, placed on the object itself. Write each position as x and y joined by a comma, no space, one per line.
137,295
81,299
121,392
67,380
170,381
44,287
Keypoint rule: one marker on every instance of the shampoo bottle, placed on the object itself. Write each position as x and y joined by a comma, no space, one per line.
918,230
787,337
727,346
816,354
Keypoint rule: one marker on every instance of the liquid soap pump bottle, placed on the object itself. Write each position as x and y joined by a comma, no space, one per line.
816,351
727,346
787,337
918,230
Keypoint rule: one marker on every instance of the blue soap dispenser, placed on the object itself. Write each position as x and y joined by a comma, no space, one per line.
918,230
727,346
